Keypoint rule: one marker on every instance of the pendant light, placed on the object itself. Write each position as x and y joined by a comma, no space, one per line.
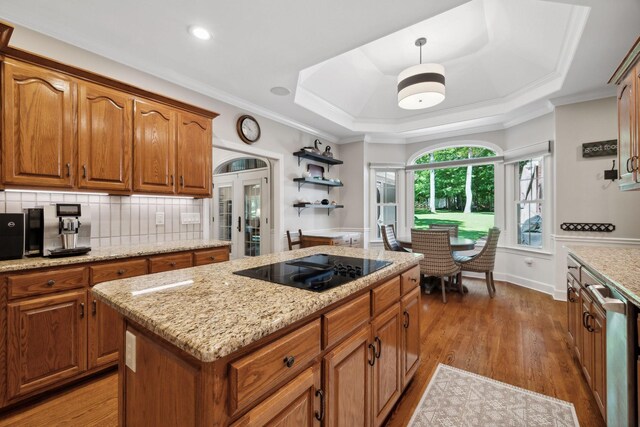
421,86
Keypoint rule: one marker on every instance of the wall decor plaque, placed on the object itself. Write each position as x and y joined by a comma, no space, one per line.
600,148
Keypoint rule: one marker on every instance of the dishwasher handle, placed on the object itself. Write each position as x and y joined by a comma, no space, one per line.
609,304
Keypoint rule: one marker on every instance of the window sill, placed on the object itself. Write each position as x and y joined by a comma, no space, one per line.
524,249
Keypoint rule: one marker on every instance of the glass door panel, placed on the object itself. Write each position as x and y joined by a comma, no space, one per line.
252,210
225,213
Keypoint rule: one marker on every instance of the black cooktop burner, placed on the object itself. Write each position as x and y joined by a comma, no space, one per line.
316,272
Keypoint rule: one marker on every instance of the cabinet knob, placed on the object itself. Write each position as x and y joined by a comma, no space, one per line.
372,362
120,272
212,258
405,324
94,308
379,347
81,310
320,416
51,282
413,279
289,361
84,171
182,180
68,165
172,263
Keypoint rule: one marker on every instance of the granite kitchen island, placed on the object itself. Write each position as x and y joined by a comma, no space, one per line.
204,346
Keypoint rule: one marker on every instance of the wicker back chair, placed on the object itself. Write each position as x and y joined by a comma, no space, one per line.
389,239
438,260
453,228
484,261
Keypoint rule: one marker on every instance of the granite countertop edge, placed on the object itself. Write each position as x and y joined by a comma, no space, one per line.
578,252
110,253
207,351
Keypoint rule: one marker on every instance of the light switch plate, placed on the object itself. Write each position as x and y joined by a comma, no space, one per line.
159,218
130,351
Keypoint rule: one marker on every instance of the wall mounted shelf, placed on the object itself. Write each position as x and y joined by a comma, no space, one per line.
323,182
317,158
303,206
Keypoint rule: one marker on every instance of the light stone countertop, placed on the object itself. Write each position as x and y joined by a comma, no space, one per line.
620,267
111,253
209,312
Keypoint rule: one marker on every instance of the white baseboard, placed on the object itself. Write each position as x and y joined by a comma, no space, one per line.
523,283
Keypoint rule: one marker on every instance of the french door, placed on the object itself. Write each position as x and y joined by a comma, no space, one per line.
241,212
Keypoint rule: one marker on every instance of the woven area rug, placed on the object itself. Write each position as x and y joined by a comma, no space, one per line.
459,398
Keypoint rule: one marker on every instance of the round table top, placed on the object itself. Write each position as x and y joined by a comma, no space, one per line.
457,243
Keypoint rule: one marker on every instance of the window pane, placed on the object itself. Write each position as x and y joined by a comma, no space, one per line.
530,224
387,215
225,205
385,187
530,179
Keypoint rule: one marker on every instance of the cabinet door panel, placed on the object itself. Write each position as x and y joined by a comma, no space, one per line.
587,340
294,405
194,155
347,379
38,117
626,134
105,138
154,148
410,335
386,371
105,331
47,341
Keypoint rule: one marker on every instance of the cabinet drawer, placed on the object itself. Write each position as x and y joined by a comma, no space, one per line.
118,270
385,295
258,372
210,256
169,262
25,285
410,279
343,320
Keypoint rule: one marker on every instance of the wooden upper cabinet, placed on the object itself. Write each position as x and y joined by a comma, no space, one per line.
154,148
626,131
105,138
194,155
39,130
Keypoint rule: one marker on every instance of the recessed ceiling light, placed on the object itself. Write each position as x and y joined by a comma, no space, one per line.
280,91
199,32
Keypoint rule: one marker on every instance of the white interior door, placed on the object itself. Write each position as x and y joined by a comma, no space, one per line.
241,206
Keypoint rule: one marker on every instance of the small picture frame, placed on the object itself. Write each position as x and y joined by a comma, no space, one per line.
315,171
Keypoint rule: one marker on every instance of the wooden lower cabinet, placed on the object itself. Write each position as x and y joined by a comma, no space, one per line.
46,341
105,330
387,385
297,404
347,381
410,306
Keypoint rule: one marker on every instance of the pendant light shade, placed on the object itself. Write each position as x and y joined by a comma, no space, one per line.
421,86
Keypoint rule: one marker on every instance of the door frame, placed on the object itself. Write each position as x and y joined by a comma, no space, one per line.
276,163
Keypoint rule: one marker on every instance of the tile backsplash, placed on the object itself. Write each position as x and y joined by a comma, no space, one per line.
120,220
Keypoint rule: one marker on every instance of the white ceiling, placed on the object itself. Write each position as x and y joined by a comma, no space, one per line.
504,58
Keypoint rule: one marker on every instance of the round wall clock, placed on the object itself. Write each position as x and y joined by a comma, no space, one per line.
248,129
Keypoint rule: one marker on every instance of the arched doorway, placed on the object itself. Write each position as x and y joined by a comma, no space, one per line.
241,205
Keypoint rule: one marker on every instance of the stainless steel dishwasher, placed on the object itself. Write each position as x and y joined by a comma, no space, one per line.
621,351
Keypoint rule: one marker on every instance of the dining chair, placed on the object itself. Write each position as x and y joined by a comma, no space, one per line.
389,239
438,260
483,262
293,243
453,228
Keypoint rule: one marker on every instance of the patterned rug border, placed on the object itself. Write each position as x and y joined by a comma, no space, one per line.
490,380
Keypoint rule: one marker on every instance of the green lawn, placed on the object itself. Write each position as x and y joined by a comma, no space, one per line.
472,225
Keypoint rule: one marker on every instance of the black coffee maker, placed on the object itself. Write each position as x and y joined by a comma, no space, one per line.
12,233
33,231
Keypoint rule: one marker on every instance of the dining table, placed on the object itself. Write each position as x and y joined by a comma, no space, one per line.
457,244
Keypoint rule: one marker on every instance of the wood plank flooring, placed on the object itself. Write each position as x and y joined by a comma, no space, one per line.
517,337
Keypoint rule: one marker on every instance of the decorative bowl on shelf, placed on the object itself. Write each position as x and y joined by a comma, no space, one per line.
325,201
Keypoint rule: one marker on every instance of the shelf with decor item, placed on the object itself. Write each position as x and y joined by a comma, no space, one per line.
303,206
317,181
330,161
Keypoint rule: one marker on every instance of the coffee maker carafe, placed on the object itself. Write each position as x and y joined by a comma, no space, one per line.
67,229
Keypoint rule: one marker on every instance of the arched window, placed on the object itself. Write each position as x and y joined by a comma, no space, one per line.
240,165
455,185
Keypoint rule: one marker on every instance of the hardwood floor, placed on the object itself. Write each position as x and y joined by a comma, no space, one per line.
517,338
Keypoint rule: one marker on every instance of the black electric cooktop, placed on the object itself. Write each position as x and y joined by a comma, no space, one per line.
316,272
